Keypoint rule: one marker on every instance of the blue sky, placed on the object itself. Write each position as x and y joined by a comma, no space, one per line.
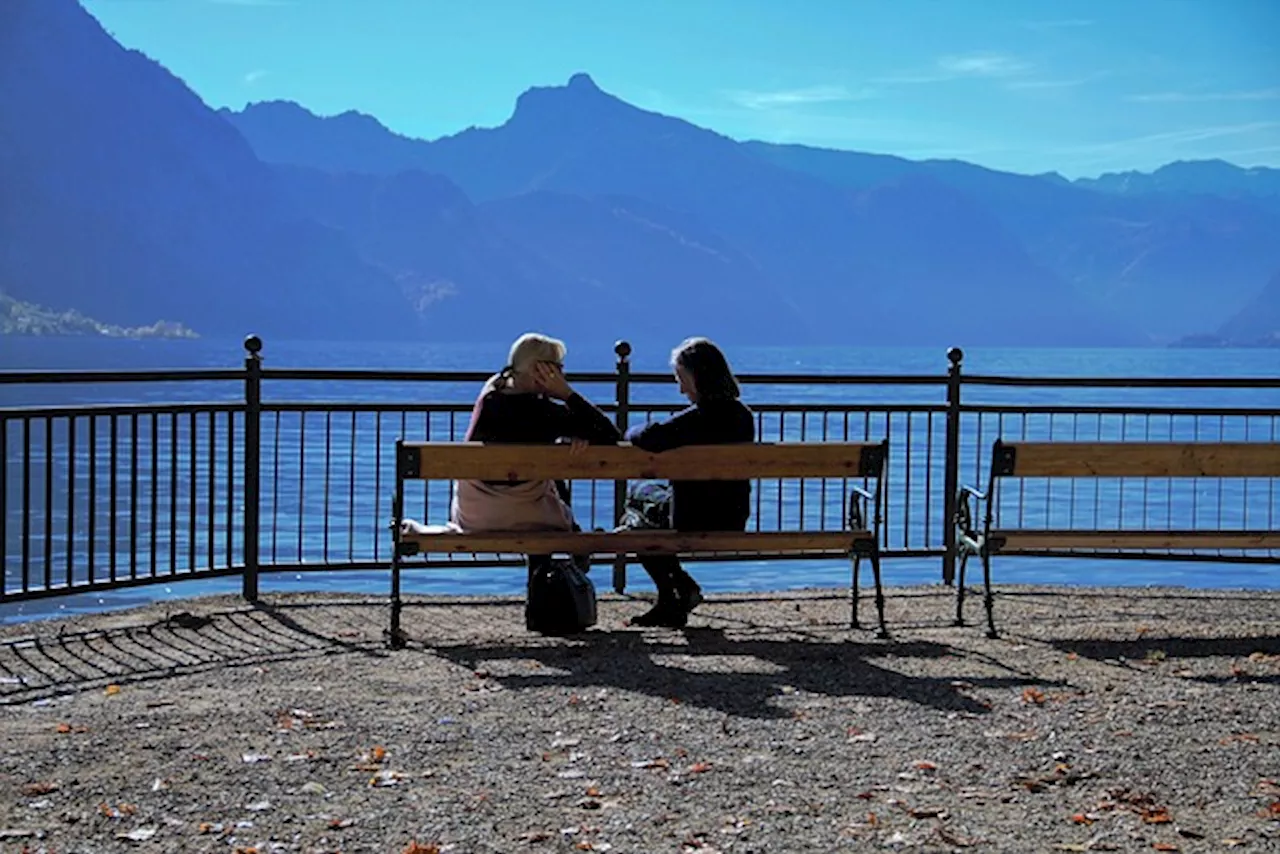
1024,85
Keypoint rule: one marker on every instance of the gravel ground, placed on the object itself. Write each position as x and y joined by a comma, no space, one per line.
1103,719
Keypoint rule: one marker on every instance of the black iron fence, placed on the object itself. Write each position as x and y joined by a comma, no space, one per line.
99,495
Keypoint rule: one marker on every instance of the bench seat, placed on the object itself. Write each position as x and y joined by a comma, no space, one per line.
635,542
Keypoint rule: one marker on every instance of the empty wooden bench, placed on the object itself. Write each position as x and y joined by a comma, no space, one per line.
1011,461
859,538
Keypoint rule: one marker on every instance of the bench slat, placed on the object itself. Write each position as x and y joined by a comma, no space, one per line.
1132,459
479,461
1063,539
634,542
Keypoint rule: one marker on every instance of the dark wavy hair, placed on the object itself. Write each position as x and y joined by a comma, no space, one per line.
707,367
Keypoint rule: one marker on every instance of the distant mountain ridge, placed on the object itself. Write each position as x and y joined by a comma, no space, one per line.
581,214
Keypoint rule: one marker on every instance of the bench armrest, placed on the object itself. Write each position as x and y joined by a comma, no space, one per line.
965,489
863,492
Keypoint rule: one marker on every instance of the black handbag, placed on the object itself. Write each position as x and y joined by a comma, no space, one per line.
647,506
562,599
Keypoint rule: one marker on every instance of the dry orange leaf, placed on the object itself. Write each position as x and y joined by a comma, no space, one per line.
584,845
205,827
926,766
1033,695
378,753
339,823
699,767
593,792
1081,818
1157,815
873,819
248,849
1164,846
1071,656
64,728
416,847
111,690
1271,810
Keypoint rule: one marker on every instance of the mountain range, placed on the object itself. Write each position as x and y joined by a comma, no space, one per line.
127,198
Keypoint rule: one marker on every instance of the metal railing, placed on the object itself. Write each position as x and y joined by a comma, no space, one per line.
104,495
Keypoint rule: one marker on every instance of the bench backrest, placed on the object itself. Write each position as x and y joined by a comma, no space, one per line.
480,461
1135,459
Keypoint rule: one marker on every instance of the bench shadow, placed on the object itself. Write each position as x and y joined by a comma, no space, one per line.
45,666
757,670
1171,647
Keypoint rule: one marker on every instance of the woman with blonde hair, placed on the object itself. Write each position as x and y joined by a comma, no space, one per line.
527,402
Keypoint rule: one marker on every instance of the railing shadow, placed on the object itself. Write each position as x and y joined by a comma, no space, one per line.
43,666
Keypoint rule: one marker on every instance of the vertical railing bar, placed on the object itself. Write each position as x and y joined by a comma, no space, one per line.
48,502
71,501
193,493
211,507
844,481
906,479
155,491
92,506
275,488
302,481
229,508
173,493
1124,436
1222,423
1168,493
804,420
377,482
351,495
822,482
1146,491
328,465
26,504
782,433
133,495
928,477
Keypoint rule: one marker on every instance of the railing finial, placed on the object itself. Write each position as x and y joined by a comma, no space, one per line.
623,349
955,354
253,344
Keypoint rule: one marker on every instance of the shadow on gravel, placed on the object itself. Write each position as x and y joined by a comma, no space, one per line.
735,675
1167,647
49,665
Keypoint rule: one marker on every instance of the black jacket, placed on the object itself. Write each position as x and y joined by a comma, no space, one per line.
704,505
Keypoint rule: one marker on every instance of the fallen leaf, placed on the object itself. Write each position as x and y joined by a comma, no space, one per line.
1232,842
926,766
378,753
208,827
111,690
699,767
416,847
1081,818
1071,656
592,792
39,788
1033,696
1164,846
1156,815
339,823
1271,810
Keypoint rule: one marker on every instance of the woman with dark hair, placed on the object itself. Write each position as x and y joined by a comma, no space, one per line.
715,417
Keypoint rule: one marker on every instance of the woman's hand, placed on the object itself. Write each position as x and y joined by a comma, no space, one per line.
550,379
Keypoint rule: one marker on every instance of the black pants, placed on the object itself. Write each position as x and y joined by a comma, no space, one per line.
667,574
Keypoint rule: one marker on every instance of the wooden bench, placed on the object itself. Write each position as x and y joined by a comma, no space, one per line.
504,462
1013,460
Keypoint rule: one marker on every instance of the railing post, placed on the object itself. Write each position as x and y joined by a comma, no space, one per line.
622,396
952,479
252,460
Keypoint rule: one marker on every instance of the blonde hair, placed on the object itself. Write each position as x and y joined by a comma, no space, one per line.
534,347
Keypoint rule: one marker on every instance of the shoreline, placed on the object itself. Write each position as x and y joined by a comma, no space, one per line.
1102,719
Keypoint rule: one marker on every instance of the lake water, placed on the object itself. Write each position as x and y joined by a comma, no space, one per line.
17,353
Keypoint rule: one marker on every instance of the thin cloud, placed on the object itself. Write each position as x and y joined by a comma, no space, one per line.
1201,97
254,76
1173,138
1047,83
982,65
985,64
784,98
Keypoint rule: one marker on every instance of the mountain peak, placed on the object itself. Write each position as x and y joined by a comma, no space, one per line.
582,82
